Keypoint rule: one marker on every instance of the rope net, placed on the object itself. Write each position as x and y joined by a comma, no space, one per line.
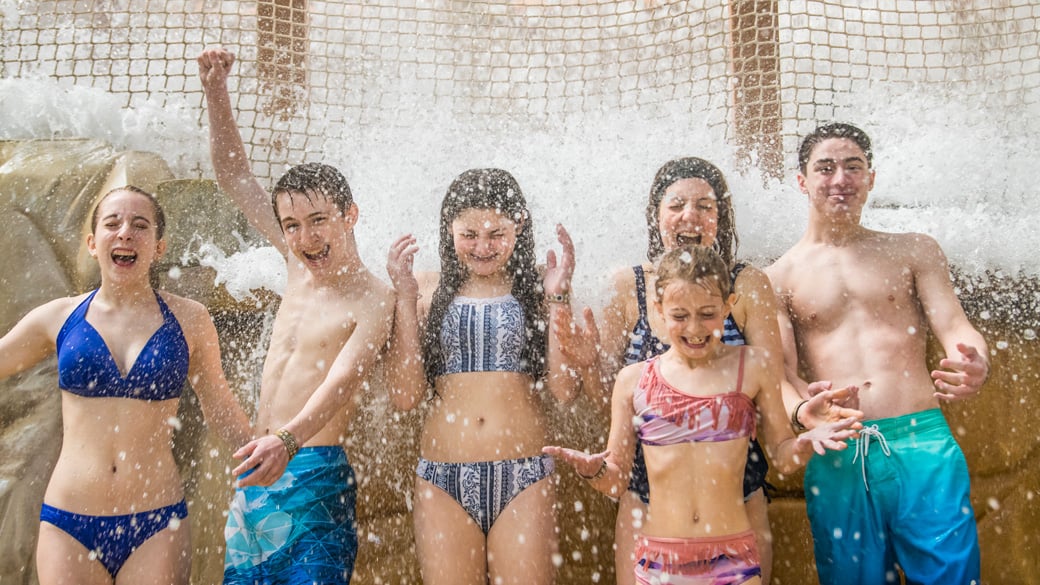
760,71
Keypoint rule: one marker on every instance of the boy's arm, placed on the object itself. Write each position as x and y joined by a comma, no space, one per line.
351,368
807,405
227,151
966,366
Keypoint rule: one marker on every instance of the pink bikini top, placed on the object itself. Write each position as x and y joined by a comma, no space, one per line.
671,417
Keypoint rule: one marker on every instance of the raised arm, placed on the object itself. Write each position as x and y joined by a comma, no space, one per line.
597,356
563,377
32,338
222,411
405,371
966,366
227,151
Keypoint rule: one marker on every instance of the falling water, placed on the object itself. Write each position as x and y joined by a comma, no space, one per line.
949,164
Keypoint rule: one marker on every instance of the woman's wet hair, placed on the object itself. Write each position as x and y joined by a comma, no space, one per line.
312,179
160,217
834,130
488,189
692,168
698,265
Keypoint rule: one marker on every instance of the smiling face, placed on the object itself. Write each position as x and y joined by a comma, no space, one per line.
125,234
694,315
837,179
314,229
688,215
484,240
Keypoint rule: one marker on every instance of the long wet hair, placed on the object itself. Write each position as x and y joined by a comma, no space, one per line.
698,265
488,189
692,168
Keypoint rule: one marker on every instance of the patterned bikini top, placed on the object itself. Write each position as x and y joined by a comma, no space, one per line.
643,344
483,335
671,417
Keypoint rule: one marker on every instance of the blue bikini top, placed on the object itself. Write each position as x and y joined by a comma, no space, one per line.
483,335
86,366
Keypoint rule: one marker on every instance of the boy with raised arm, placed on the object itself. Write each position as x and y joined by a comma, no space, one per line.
856,307
332,320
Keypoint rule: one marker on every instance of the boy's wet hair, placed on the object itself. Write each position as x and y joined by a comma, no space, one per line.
160,216
310,179
694,265
834,130
489,189
726,240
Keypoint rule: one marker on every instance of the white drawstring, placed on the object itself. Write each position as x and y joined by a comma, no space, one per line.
863,447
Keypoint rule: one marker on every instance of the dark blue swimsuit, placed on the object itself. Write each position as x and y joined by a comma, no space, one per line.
645,345
86,368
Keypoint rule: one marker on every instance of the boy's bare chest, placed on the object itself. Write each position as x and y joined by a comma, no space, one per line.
823,290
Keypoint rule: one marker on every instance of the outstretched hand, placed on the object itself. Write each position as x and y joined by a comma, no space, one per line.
827,405
557,279
586,464
399,261
579,345
214,66
831,435
266,457
960,378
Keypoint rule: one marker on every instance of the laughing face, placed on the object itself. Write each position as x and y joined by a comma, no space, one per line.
484,241
125,238
688,214
314,229
694,316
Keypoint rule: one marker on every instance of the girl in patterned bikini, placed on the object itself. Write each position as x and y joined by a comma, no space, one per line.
693,411
476,336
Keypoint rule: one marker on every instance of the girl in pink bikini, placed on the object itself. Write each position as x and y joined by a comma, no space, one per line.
693,411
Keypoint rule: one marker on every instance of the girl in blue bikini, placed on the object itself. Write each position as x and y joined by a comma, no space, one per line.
476,334
114,510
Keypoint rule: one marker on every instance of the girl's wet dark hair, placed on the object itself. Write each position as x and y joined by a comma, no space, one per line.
488,189
834,130
726,240
160,217
311,179
694,265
